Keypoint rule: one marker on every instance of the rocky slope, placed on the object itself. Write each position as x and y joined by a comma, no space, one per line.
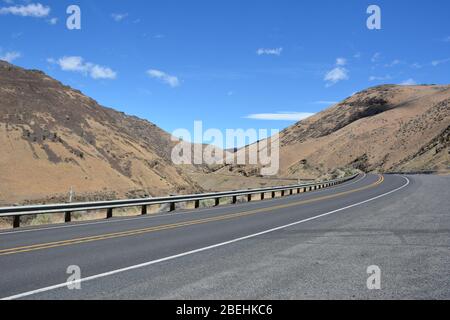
385,128
54,138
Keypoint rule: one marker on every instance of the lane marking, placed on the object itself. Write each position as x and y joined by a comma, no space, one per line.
149,263
163,215
55,244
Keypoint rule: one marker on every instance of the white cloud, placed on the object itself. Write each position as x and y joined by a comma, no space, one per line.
36,10
446,39
409,82
357,55
393,63
119,16
435,63
164,77
72,64
266,51
10,56
341,61
376,57
280,116
99,72
378,78
77,64
53,21
335,75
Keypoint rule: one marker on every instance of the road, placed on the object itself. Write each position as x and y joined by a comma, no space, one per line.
312,245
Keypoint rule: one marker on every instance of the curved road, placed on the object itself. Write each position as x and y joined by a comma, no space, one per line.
133,257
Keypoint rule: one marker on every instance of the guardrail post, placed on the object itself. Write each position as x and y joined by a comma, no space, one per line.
16,222
264,193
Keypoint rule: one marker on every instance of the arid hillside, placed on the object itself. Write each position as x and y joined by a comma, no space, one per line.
54,138
385,128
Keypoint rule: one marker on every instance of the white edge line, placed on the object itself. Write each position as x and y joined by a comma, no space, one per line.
158,215
146,264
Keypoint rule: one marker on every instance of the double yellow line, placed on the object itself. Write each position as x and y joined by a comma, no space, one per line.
106,236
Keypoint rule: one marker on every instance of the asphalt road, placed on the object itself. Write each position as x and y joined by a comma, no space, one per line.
313,245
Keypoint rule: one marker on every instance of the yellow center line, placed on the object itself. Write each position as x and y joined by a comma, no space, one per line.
55,244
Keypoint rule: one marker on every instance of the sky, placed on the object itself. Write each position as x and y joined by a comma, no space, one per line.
231,64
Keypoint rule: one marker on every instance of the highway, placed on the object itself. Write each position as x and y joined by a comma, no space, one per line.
226,252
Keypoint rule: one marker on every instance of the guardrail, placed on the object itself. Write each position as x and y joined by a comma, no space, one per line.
69,208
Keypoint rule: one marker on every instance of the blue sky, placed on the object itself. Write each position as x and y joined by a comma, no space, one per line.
231,63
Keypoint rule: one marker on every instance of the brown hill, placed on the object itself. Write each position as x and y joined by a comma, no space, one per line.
54,138
385,128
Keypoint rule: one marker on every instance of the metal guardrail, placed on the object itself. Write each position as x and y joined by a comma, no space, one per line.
69,208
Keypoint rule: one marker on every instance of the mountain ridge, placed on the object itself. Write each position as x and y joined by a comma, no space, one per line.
56,139
374,130
76,143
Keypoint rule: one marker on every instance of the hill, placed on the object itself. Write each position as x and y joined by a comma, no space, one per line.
383,129
54,138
